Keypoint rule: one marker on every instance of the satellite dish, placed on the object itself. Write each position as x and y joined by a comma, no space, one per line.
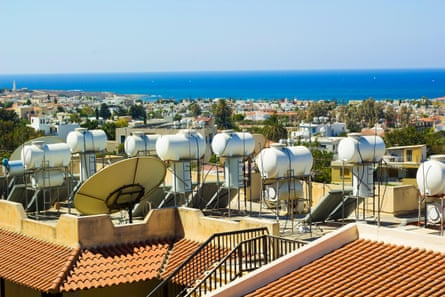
120,186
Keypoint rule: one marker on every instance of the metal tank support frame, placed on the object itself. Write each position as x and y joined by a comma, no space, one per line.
290,179
237,152
373,172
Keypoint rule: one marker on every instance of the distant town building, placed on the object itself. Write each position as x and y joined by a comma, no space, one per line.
52,128
319,127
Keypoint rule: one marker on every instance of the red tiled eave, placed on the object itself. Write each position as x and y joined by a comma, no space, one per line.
51,267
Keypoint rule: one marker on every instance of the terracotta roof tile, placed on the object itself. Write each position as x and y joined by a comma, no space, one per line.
51,267
33,263
113,265
181,251
365,268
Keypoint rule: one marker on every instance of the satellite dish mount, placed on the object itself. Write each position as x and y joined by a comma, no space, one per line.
125,197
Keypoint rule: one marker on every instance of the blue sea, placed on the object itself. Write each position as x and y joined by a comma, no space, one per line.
340,85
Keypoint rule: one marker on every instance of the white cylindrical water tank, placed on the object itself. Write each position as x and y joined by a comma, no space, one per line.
358,149
14,167
438,157
430,178
39,155
231,144
140,142
280,161
186,145
82,140
52,178
284,190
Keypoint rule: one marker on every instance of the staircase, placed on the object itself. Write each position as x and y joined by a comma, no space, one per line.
247,256
223,258
210,252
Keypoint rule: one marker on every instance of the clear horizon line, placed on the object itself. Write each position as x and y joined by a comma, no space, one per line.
229,71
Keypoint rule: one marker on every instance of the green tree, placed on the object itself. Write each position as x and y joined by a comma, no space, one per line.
7,104
195,109
370,112
390,116
365,114
75,117
435,142
406,136
120,123
223,114
238,117
87,111
274,129
322,165
90,125
137,111
352,118
105,111
404,116
120,111
8,115
110,130
320,108
177,117
13,132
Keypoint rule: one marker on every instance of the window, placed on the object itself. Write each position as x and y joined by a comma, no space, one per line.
409,155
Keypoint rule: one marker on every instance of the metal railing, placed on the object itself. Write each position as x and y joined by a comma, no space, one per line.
210,252
249,255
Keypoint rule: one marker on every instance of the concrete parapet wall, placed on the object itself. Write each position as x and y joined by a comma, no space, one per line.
198,227
394,200
97,230
399,200
319,190
12,215
90,231
402,237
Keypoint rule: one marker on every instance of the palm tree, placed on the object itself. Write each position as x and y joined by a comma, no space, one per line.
274,129
223,114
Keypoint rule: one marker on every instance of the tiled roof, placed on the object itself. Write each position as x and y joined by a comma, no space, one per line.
181,251
365,268
33,263
107,266
51,267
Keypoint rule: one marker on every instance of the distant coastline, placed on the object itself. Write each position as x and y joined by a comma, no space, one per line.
340,85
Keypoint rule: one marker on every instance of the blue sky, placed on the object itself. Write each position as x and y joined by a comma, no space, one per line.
49,36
